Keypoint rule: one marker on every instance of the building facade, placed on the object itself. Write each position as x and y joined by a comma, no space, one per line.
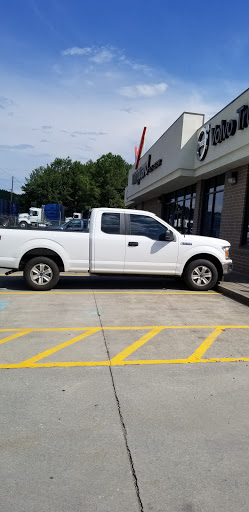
196,177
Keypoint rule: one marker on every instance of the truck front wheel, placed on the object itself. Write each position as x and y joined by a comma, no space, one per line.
41,274
201,275
23,224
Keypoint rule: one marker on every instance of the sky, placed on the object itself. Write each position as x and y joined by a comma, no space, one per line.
81,79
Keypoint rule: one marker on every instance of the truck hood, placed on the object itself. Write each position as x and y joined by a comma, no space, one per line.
203,240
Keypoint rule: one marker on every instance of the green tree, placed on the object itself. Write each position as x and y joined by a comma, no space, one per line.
110,175
79,187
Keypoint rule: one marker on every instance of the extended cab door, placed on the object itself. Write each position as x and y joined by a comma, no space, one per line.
108,245
147,251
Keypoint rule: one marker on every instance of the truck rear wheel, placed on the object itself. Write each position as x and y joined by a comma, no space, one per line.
41,274
201,275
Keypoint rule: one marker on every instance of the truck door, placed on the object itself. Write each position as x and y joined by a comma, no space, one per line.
146,250
108,250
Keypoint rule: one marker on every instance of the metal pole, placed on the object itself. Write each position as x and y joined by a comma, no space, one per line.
12,186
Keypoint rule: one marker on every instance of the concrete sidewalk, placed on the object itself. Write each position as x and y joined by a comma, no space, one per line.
235,286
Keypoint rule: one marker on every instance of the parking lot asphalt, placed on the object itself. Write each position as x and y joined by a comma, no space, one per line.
122,394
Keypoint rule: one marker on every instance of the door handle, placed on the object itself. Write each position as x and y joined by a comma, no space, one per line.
133,244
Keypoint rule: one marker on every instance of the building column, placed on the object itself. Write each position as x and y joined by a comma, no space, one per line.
198,207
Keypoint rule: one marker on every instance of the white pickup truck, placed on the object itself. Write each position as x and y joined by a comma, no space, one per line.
119,242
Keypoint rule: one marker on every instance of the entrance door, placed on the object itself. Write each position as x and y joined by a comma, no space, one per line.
146,250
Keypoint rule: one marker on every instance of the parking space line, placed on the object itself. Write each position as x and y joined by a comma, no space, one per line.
223,360
107,293
20,274
67,343
121,363
139,343
117,328
152,361
200,351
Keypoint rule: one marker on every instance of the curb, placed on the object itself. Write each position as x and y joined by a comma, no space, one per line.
233,294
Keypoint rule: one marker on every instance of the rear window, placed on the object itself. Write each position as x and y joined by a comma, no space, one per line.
110,223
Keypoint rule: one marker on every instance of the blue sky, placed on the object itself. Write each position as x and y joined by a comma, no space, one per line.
80,78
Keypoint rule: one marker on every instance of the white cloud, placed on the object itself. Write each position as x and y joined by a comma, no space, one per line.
143,90
5,102
102,56
98,55
76,50
16,147
135,65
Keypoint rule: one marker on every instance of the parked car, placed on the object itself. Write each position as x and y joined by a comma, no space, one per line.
71,225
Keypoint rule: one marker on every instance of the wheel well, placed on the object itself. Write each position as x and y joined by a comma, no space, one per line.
41,252
208,257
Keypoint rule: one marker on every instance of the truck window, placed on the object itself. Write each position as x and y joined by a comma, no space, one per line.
74,225
140,225
110,223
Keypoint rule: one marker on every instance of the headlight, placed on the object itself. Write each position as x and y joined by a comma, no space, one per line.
226,251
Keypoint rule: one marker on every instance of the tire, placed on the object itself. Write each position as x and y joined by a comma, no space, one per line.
201,275
23,224
41,273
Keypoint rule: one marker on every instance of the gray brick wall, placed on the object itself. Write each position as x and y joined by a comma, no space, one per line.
233,218
154,206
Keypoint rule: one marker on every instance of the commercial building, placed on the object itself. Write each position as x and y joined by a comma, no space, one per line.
196,177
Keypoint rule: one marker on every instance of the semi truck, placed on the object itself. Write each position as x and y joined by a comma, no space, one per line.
40,217
126,242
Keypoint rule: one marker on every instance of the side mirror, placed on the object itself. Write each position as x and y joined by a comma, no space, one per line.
168,236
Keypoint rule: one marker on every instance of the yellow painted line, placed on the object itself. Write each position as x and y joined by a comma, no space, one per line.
14,336
67,343
223,360
116,328
77,274
121,363
205,345
108,293
53,365
139,343
152,361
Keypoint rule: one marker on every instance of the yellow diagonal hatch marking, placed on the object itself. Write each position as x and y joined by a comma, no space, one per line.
14,336
132,348
197,355
50,351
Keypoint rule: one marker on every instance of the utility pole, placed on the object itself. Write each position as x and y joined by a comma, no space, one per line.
11,195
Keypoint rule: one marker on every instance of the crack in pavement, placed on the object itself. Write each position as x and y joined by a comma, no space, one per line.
124,430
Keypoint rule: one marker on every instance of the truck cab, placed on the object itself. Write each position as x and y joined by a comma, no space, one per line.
34,217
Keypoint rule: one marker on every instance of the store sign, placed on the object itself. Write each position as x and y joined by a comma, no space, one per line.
221,131
145,169
203,142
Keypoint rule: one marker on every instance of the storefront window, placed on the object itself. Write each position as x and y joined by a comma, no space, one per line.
179,209
212,208
246,232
